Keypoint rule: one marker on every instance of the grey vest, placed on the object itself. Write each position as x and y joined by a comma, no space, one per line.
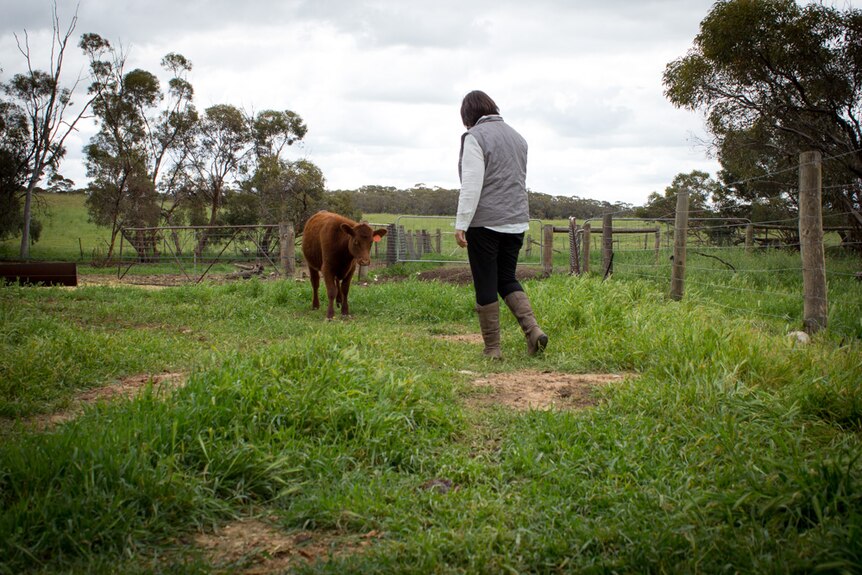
504,192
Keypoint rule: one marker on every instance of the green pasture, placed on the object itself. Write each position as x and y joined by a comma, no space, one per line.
727,447
759,283
67,234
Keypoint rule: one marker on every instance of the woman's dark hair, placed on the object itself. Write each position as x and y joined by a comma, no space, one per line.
475,105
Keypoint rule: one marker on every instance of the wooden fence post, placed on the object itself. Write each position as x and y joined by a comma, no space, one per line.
749,237
657,243
607,245
438,240
815,305
287,237
677,274
548,249
585,241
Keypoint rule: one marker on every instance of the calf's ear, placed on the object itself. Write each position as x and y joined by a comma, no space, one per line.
347,229
378,234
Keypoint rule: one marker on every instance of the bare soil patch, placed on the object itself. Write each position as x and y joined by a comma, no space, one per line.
152,281
475,338
252,547
524,390
126,388
147,282
157,281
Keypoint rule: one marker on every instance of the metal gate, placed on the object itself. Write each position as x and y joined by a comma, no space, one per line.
432,239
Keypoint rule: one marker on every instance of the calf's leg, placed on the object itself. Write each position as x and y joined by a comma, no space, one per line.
331,293
315,284
345,287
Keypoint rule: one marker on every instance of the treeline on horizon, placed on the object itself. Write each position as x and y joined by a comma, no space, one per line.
421,200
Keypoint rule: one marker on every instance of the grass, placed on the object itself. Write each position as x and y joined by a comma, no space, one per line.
734,449
67,233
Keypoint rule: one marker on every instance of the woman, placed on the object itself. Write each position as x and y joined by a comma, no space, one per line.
492,217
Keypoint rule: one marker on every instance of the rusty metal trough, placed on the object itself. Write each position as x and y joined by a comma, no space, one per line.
40,273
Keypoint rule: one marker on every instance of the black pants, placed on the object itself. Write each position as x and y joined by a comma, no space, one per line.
493,260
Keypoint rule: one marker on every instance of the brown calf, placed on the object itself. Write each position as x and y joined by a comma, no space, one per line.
332,244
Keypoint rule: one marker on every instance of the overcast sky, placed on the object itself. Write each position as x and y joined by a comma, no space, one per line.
379,83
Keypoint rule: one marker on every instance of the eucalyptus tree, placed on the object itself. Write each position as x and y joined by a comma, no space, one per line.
47,106
218,158
290,191
274,130
141,142
775,78
280,190
14,167
701,188
281,186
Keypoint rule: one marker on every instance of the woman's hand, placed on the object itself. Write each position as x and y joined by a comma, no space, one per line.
461,238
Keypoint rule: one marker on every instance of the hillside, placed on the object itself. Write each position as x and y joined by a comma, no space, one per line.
67,232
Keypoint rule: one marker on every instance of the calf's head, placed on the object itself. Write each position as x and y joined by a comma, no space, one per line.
360,238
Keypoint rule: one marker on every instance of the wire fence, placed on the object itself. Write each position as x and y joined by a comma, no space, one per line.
431,239
193,252
749,269
752,269
762,278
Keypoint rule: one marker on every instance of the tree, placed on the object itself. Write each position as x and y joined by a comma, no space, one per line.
703,193
759,181
700,186
218,157
776,79
284,188
273,130
278,190
139,129
45,104
375,199
14,167
290,191
172,137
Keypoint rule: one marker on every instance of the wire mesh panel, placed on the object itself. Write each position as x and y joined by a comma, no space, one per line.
195,251
432,239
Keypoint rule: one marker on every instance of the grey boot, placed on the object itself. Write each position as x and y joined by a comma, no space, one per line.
537,341
489,322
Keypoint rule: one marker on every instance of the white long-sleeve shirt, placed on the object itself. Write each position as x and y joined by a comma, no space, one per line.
472,180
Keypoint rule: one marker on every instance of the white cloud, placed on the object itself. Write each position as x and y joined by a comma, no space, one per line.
379,82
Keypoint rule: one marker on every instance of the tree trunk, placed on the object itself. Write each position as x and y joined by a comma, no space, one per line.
203,240
25,234
28,208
